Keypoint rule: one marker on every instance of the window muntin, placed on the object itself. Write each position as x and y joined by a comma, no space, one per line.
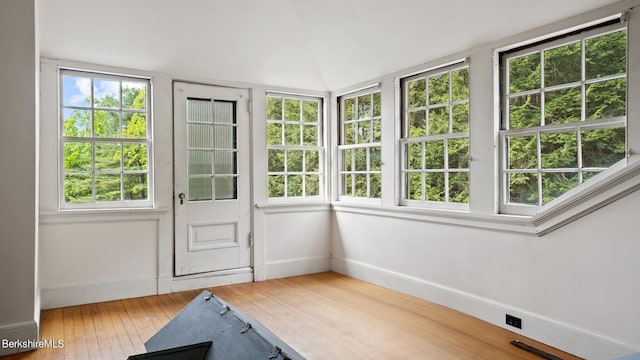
564,114
294,146
105,140
435,138
359,145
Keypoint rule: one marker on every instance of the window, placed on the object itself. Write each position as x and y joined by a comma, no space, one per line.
435,138
105,140
564,114
359,144
294,146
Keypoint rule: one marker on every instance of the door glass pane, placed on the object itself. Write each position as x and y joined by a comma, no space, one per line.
199,111
225,162
226,187
200,162
200,189
199,136
223,112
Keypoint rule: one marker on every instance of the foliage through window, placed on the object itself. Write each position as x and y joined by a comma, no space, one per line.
105,140
359,145
294,146
564,113
435,137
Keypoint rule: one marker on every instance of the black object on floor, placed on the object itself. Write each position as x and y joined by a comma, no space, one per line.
189,352
535,350
235,335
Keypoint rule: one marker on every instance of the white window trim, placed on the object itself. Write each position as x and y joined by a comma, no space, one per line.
97,207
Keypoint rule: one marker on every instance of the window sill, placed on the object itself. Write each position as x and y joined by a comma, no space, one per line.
291,207
92,215
572,207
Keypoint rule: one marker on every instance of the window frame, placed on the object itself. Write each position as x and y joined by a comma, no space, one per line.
580,35
404,139
341,146
319,147
148,140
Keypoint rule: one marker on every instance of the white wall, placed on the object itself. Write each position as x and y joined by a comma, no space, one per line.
19,299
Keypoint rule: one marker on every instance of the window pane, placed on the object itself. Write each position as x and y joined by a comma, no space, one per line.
274,108
360,185
77,188
586,175
225,187
562,106
349,109
377,130
294,160
375,159
106,124
200,189
375,186
603,147
360,159
107,187
134,95
77,123
563,64
434,186
377,104
417,123
76,91
417,96
459,187
292,134
557,183
606,99
135,156
364,132
276,185
349,133
200,162
312,161
292,109
458,153
414,186
200,136
523,152
559,150
460,118
414,156
524,111
312,185
276,160
460,83
310,111
439,120
346,160
135,186
347,183
364,106
439,89
524,73
77,156
274,134
224,162
106,93
434,154
523,188
134,125
107,156
294,185
606,55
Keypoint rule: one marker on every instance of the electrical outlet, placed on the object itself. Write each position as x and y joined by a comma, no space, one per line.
514,321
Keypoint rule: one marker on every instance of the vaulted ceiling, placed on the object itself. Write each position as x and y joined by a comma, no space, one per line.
303,44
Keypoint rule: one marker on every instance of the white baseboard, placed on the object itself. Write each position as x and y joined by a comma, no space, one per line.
560,335
295,267
218,278
21,332
54,297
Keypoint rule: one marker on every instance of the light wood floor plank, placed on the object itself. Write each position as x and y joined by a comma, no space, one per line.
322,316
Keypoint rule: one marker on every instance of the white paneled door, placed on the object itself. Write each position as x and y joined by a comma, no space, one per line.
212,179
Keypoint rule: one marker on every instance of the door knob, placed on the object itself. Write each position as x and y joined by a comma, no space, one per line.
181,196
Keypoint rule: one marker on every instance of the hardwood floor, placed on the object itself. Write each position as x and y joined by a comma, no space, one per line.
322,316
